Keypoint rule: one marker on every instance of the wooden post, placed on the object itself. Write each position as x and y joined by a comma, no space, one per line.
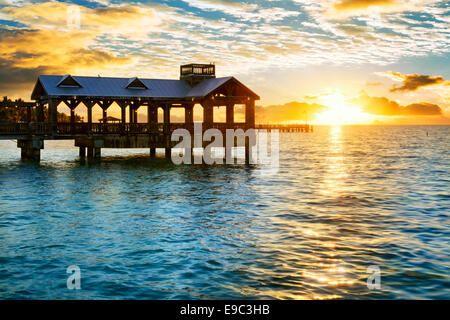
168,150
82,152
189,121
153,118
230,114
250,124
208,114
105,104
90,119
28,114
53,114
31,149
166,118
130,112
123,106
89,105
250,113
247,150
40,113
97,153
152,122
189,114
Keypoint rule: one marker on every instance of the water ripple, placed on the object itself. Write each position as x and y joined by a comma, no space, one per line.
343,199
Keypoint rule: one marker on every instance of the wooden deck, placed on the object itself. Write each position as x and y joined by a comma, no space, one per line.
72,130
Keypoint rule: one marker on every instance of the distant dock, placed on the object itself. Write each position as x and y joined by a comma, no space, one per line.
285,127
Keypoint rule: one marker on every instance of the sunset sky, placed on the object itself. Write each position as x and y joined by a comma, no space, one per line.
333,62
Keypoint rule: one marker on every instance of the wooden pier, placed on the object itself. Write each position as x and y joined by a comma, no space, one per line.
285,127
197,85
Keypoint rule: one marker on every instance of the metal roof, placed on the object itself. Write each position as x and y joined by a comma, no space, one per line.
207,86
117,87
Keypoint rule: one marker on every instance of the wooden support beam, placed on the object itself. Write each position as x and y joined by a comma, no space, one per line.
53,114
189,113
134,106
247,150
152,118
230,113
123,106
31,149
105,104
166,109
154,114
208,114
250,113
28,114
89,105
40,113
130,112
149,114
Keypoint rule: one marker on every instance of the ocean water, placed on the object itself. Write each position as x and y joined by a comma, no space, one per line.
343,199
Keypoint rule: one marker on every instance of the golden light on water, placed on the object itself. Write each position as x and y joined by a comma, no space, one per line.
332,183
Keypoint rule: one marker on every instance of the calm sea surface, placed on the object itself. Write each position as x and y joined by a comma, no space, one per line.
344,199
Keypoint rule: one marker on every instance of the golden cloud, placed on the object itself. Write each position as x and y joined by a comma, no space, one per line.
412,82
61,16
385,107
57,52
292,111
346,8
361,4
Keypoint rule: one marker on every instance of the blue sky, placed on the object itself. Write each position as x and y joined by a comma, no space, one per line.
283,49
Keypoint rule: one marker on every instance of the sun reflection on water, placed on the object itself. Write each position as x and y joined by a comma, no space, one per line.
335,167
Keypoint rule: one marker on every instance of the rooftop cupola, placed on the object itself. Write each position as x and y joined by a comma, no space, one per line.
195,73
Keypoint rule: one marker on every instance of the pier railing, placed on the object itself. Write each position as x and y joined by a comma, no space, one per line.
74,129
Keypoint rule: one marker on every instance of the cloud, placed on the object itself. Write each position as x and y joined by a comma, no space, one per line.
151,40
58,14
423,108
292,111
244,11
361,4
347,8
44,51
411,82
17,82
385,107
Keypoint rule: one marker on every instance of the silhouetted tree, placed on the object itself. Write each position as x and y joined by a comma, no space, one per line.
15,114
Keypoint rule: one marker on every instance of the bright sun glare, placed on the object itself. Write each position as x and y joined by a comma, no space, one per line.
340,111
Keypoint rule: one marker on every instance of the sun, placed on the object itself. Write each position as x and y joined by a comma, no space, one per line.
341,111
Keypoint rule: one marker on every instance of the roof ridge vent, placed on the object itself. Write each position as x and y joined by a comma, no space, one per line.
67,81
136,83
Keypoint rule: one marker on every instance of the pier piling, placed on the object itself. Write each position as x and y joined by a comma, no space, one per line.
31,149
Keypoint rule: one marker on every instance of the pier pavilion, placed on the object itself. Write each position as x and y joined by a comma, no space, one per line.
197,85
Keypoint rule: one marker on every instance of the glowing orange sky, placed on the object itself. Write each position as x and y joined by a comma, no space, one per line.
327,53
